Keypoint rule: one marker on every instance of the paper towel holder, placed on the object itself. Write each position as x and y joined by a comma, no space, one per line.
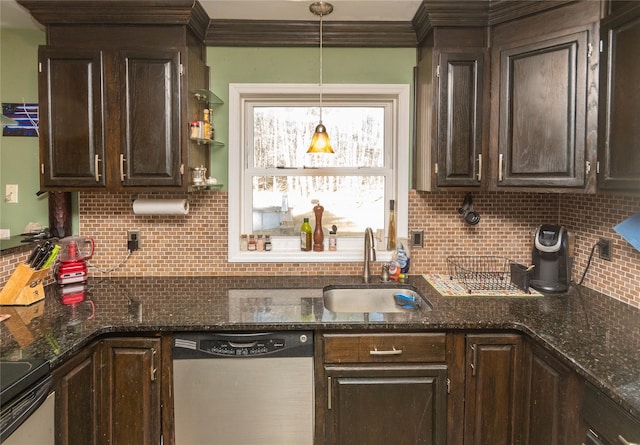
135,196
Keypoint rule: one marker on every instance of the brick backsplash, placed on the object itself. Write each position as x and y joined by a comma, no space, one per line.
592,217
196,244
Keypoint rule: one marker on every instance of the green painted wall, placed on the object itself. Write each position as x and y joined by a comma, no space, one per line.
19,155
297,65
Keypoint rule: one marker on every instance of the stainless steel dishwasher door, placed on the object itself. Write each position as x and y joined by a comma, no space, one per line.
245,400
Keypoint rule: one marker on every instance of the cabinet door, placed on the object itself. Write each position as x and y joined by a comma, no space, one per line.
151,149
384,405
77,399
493,405
542,112
552,404
131,396
459,117
72,149
619,106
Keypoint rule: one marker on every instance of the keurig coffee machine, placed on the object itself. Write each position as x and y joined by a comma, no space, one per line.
550,256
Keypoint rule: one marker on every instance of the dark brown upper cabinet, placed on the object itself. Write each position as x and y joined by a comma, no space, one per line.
619,104
544,91
451,97
72,138
150,121
116,94
112,118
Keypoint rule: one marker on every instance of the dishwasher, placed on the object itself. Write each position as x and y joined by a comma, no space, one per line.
243,388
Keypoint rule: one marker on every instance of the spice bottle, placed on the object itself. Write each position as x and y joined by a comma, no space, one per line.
244,242
267,243
333,238
252,246
305,236
260,243
206,126
391,240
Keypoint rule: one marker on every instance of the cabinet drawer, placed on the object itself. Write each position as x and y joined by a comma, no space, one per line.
608,418
380,348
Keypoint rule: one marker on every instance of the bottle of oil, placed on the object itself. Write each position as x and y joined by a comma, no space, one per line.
305,236
391,233
206,131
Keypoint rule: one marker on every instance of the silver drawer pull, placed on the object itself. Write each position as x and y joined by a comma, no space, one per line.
394,351
624,441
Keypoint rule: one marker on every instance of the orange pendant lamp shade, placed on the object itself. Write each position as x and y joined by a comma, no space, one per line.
320,142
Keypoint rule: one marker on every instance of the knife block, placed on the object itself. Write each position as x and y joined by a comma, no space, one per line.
25,286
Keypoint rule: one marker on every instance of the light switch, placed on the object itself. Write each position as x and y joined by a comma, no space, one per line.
11,194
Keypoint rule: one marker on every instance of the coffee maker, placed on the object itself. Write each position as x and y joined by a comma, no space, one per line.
551,258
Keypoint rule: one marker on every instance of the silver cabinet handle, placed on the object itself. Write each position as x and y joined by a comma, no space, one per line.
153,369
500,160
624,441
479,167
96,167
474,359
394,351
122,159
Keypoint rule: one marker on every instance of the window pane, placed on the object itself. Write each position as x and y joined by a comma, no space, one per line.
282,136
352,203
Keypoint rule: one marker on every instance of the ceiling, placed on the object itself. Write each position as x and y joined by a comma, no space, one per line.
13,15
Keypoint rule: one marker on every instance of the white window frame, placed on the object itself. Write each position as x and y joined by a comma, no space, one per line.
287,249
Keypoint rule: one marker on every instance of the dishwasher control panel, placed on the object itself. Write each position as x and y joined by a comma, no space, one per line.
208,345
227,347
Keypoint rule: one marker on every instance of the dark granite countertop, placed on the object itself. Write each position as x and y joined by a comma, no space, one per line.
596,335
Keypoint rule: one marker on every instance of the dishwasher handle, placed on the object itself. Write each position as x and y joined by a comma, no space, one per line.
236,344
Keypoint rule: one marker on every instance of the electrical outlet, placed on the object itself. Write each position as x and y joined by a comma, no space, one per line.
417,238
605,246
133,240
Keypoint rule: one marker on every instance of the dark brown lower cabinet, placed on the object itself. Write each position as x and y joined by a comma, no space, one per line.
131,410
493,392
604,422
383,388
552,401
386,404
77,386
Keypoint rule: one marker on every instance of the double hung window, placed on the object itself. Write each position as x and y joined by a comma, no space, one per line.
274,183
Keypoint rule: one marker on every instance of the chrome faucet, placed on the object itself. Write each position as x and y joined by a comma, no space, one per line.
369,253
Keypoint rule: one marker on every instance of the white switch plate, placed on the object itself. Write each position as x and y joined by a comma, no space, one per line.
11,194
5,233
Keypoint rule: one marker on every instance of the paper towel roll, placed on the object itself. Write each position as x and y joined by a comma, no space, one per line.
160,206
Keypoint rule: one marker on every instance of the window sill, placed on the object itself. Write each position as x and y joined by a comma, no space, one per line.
297,256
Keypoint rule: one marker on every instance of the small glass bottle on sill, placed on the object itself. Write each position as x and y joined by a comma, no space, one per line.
267,243
252,246
391,240
333,238
244,242
260,244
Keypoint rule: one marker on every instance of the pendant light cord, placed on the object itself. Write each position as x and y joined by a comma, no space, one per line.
321,15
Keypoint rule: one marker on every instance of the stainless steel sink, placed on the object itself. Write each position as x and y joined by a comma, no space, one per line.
367,299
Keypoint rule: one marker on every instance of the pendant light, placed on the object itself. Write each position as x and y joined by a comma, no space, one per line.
320,142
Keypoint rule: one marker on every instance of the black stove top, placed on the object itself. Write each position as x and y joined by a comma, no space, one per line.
17,376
